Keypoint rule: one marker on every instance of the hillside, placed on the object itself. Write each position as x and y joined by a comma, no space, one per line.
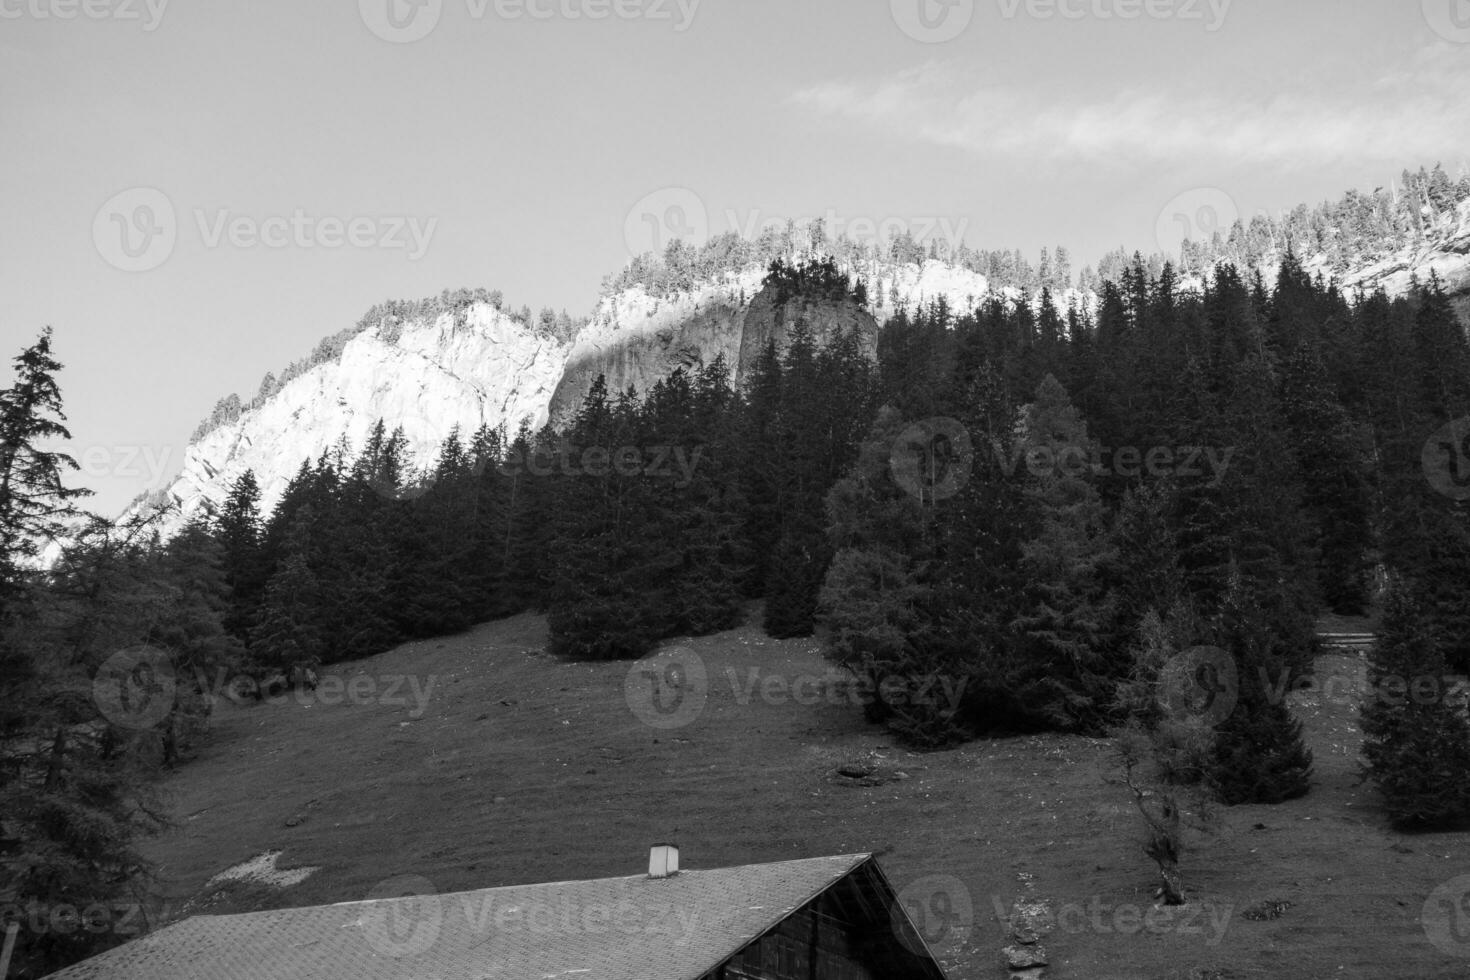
537,770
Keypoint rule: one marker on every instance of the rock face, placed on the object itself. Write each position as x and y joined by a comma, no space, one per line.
766,321
479,367
635,340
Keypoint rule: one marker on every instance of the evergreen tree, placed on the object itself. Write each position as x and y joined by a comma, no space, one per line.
1146,572
192,630
435,543
287,631
706,504
611,580
239,532
35,505
1063,620
874,595
1259,755
1334,492
531,469
71,808
1416,745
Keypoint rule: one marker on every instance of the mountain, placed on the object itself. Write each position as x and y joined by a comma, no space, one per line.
466,361
469,367
471,364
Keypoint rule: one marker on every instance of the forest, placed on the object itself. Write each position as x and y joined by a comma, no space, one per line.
1039,506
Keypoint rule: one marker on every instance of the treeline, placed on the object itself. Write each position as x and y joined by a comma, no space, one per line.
1351,233
682,266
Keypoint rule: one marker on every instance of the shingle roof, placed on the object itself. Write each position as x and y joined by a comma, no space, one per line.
633,928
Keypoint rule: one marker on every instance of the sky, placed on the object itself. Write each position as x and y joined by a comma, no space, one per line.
195,193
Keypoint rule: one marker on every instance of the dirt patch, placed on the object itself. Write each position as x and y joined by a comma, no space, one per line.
262,870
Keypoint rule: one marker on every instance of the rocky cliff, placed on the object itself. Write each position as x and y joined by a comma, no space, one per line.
635,340
465,369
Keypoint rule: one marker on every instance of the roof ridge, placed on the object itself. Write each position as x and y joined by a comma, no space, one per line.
853,859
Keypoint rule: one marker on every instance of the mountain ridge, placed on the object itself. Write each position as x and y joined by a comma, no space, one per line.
475,363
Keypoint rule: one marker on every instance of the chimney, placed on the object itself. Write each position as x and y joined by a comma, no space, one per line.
663,861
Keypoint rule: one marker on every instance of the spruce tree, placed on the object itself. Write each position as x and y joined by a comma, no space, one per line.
287,631
1334,491
192,630
1259,755
611,575
35,505
239,532
708,508
1416,746
71,808
1145,571
1064,618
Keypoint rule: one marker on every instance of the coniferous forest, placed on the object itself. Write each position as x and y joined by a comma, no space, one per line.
1033,504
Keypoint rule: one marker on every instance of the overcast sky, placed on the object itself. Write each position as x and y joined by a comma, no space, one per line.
195,193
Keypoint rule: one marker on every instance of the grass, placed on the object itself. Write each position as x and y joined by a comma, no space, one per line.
524,769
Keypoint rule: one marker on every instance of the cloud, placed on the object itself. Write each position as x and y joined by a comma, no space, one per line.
1414,112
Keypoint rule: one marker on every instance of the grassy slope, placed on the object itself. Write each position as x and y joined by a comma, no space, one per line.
564,782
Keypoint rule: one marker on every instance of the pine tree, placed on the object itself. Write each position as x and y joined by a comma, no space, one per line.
1259,755
873,597
1146,572
1441,355
287,631
485,576
706,587
193,632
1334,491
35,505
611,577
239,532
435,545
530,509
1416,745
1064,617
71,809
